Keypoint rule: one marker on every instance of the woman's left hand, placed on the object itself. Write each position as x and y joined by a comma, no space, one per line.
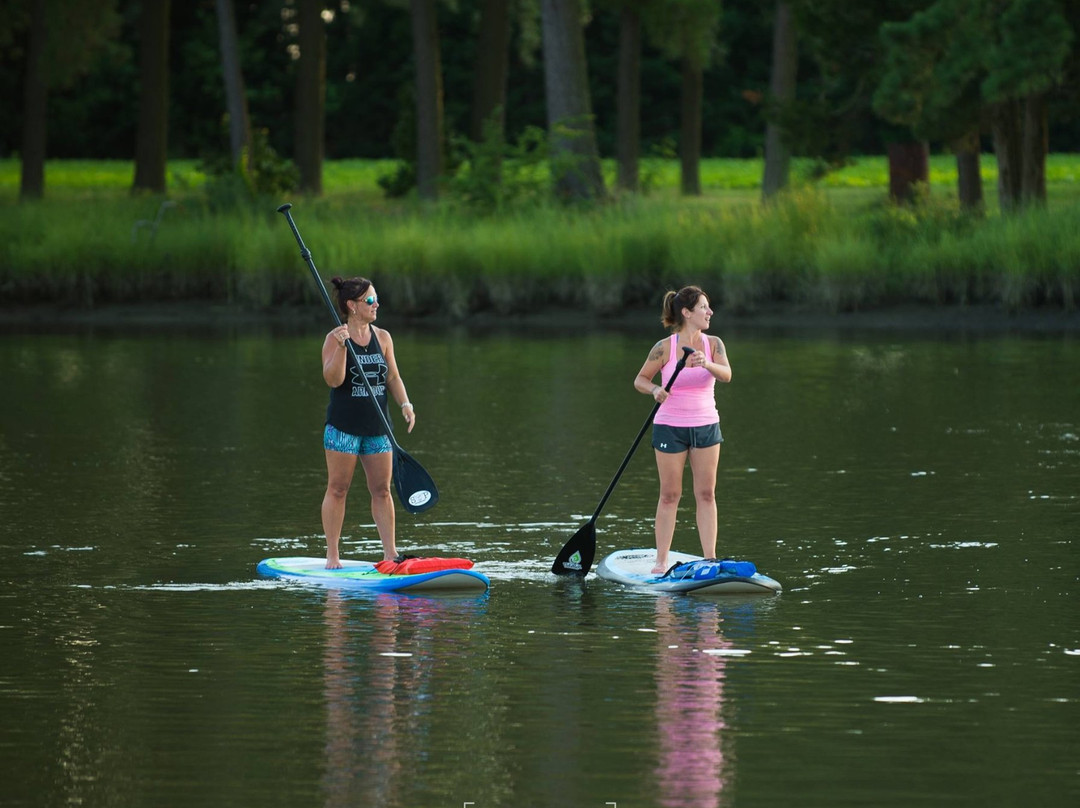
697,359
408,412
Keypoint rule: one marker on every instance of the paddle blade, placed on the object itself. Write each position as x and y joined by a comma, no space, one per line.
576,556
415,488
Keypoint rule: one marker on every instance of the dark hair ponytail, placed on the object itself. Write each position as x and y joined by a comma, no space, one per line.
349,289
675,302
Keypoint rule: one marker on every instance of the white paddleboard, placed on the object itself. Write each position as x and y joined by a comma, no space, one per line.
634,568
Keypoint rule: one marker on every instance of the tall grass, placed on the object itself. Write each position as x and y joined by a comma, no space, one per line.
826,246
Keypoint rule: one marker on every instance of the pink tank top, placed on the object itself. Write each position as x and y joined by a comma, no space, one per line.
692,401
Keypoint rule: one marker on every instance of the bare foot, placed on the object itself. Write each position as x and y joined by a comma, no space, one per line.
333,563
659,569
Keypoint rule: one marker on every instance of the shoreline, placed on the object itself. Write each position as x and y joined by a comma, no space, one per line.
982,318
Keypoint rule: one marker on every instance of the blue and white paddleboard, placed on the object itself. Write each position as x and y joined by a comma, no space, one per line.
699,576
362,575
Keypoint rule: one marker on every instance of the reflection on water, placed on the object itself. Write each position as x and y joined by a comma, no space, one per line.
380,689
697,643
690,720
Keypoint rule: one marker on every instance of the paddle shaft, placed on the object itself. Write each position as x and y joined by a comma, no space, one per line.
611,487
576,556
305,253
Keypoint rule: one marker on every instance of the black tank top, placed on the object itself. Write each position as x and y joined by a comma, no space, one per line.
350,409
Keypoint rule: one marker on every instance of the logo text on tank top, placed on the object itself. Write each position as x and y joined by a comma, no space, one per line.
375,370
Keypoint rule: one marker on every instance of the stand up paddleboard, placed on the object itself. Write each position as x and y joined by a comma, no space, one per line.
693,574
362,575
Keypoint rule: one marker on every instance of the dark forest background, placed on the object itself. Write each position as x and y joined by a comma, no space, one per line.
370,77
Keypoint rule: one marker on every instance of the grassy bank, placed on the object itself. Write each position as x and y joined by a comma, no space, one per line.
832,245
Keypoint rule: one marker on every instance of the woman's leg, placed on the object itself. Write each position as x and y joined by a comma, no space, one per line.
703,464
378,469
339,473
670,466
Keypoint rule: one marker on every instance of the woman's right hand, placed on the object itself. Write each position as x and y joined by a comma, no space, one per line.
334,359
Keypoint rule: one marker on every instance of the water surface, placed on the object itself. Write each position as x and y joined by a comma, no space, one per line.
916,494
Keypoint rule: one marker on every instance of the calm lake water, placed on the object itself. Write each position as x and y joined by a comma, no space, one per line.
916,494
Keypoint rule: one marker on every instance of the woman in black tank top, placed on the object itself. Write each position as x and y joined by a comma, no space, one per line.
353,427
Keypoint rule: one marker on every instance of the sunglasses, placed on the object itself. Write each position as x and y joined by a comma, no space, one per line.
371,300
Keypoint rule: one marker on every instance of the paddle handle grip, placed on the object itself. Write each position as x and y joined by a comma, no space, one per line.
305,253
641,432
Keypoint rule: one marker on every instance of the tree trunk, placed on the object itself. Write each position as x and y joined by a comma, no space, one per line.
35,102
310,124
1008,150
628,102
151,141
785,62
429,98
491,68
235,98
690,130
1035,147
968,177
909,163
575,161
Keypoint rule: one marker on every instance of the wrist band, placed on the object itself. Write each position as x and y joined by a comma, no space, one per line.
407,404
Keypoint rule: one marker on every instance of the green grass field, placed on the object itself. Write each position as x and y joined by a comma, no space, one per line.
355,176
834,244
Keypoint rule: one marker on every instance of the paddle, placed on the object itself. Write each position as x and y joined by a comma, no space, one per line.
415,488
576,556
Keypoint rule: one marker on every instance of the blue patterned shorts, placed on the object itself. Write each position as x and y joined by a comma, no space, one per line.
335,440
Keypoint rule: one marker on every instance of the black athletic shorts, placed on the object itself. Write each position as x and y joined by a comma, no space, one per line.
676,439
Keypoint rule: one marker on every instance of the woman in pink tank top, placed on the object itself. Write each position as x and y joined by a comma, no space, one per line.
687,425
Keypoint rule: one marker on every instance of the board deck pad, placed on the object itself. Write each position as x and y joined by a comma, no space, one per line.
708,577
362,575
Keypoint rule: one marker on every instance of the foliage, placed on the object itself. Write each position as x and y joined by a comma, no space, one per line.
354,182
402,179
833,247
368,62
495,175
684,29
77,31
932,65
925,218
1033,42
832,115
572,161
947,61
83,46
261,172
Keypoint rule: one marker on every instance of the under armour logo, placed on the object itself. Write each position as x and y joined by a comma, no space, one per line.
663,445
